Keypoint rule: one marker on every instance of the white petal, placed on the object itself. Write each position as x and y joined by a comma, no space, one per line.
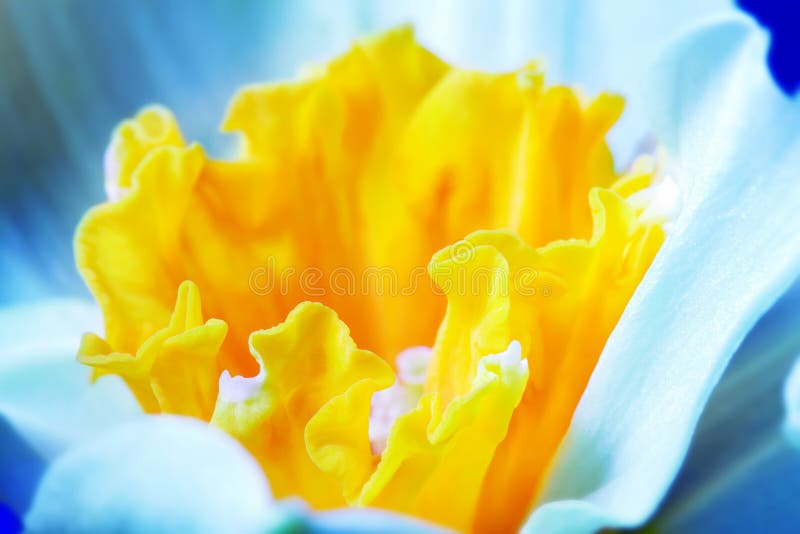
45,394
734,251
368,520
157,474
599,45
46,400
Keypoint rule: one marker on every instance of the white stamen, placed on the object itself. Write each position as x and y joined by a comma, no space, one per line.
387,406
390,403
239,388
510,360
512,355
661,201
412,364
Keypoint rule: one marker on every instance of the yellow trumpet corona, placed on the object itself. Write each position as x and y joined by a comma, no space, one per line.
348,182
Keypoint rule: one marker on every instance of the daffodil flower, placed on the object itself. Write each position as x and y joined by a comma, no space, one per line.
546,376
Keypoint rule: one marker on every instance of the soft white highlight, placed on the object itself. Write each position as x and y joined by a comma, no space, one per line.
661,201
390,403
791,400
111,170
512,356
240,388
403,396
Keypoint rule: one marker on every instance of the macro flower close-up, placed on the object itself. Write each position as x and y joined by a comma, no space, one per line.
448,267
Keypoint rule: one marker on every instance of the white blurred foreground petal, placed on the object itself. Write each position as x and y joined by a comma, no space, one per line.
46,402
367,520
157,474
44,392
735,249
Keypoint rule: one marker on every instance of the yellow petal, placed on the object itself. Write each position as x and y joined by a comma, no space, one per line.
99,355
570,330
363,169
335,435
367,93
560,302
475,281
500,151
175,370
153,126
294,200
561,155
126,250
298,421
433,466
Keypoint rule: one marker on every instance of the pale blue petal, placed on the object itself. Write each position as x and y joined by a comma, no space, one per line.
365,520
612,45
164,474
599,45
741,474
172,474
581,41
44,392
734,140
46,401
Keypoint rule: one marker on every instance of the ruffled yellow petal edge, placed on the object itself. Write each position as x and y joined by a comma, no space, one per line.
306,417
175,370
433,465
135,289
154,126
391,141
560,302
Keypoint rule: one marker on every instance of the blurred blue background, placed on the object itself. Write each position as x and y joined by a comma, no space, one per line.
73,69
782,18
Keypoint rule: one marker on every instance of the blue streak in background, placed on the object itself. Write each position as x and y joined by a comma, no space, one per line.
9,522
782,18
72,70
741,475
21,467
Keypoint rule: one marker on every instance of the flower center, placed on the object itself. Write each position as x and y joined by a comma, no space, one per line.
318,252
